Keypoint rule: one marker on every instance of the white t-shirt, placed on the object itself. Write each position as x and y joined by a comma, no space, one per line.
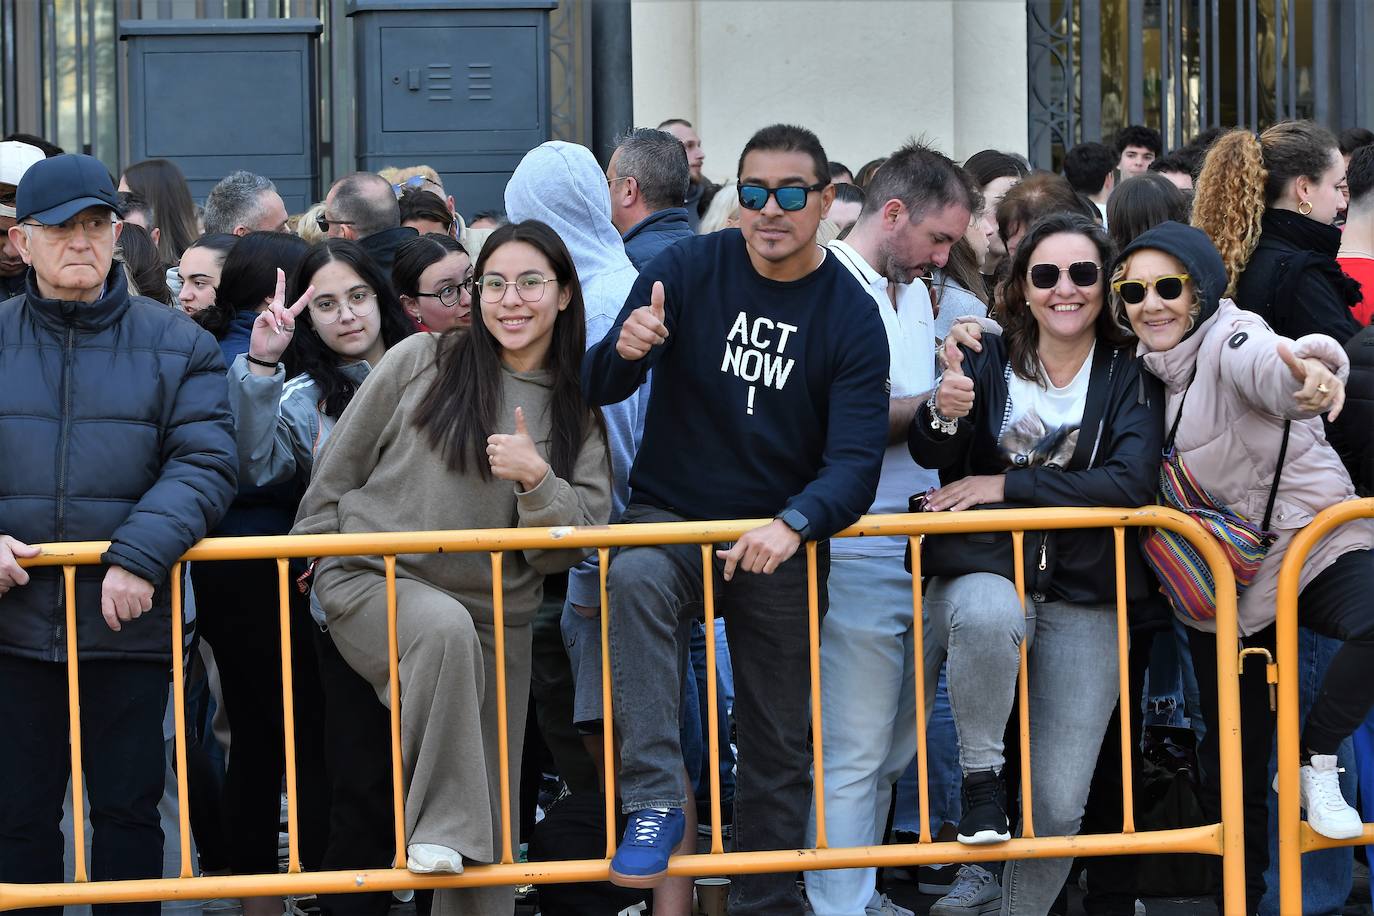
910,330
1042,424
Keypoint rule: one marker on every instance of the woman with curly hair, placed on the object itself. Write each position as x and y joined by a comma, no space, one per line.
1269,204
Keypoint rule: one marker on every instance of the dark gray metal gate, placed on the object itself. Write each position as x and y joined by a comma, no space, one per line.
1182,66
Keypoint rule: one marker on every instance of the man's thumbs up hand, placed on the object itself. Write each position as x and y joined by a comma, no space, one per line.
644,329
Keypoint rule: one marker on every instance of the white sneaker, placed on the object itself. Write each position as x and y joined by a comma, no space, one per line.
886,907
429,858
1327,811
975,893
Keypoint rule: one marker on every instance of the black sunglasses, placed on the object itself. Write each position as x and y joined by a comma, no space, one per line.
1082,273
790,198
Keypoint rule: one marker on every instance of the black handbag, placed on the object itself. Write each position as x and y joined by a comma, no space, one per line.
993,551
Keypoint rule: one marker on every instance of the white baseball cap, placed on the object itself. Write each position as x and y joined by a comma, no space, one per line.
15,159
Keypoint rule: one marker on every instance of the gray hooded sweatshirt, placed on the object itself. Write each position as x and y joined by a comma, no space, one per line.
561,184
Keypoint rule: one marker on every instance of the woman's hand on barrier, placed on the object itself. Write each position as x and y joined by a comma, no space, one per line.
515,457
1321,390
124,597
967,493
761,550
276,325
954,397
12,574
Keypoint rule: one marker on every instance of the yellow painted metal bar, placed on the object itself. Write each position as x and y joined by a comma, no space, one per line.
1124,683
919,651
1295,837
393,656
603,554
1018,552
813,625
1205,840
498,613
708,582
179,717
288,716
74,725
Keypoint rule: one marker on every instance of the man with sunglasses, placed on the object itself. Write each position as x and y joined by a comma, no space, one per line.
362,207
917,206
769,400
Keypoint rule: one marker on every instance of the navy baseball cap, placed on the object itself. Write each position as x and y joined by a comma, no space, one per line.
54,190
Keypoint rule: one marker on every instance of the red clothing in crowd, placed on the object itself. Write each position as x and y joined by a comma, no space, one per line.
1361,270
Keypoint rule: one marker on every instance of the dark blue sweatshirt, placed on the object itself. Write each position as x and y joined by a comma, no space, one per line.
766,396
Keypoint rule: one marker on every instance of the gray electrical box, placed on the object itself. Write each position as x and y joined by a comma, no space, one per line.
215,95
459,85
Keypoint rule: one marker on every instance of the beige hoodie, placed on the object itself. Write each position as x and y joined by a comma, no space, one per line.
378,473
1232,430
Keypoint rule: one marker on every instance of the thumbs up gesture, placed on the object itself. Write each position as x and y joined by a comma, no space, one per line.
276,325
1321,390
954,397
514,457
644,329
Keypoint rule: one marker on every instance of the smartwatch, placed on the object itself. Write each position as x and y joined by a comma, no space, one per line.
796,521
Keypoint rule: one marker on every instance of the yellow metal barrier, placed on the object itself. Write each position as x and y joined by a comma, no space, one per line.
1295,836
1223,839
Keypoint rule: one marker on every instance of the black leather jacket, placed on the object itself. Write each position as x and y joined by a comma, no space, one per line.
1124,469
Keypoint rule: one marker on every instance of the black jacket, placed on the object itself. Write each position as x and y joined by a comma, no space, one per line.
1124,470
114,425
1292,280
381,246
1351,434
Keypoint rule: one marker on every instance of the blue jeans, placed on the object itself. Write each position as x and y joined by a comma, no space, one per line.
700,774
1327,873
868,710
945,780
1073,688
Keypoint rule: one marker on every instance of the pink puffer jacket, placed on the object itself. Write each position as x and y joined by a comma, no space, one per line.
1231,432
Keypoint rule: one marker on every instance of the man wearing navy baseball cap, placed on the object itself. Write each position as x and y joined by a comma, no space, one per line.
115,426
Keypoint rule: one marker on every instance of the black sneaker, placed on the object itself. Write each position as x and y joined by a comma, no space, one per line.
985,810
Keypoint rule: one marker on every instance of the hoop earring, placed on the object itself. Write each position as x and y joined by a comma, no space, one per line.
1308,205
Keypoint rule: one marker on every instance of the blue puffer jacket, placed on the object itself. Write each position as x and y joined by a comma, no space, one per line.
662,229
114,425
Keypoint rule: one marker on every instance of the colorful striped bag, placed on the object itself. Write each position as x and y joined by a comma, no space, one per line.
1184,576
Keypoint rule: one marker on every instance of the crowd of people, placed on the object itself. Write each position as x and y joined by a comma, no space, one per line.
636,344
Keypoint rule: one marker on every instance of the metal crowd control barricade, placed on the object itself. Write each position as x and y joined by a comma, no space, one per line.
1222,839
1295,836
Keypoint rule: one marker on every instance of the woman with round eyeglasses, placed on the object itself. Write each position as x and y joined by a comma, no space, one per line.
483,428
433,277
1244,411
1050,413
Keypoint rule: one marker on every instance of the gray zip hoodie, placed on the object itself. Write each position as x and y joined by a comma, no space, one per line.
561,184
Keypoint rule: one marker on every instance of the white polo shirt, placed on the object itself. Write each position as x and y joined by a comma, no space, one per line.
910,327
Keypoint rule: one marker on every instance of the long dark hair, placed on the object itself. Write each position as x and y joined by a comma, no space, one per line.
461,408
1018,324
1141,203
249,276
164,187
308,354
418,255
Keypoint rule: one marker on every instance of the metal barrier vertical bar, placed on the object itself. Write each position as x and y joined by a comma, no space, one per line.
288,716
74,725
1290,817
1018,548
179,717
498,608
919,651
814,639
393,655
1124,684
1228,735
603,555
712,725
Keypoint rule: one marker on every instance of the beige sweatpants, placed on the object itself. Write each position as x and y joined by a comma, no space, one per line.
449,745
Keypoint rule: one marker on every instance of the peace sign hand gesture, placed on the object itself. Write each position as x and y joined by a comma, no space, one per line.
276,325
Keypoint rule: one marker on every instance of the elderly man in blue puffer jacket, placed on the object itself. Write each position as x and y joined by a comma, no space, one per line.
114,425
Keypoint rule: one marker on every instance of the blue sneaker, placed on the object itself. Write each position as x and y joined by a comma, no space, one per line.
650,838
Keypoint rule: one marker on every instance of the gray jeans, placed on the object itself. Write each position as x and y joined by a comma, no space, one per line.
651,590
1073,689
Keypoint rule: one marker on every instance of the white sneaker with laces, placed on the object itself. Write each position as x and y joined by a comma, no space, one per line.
886,907
430,858
1327,810
975,893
